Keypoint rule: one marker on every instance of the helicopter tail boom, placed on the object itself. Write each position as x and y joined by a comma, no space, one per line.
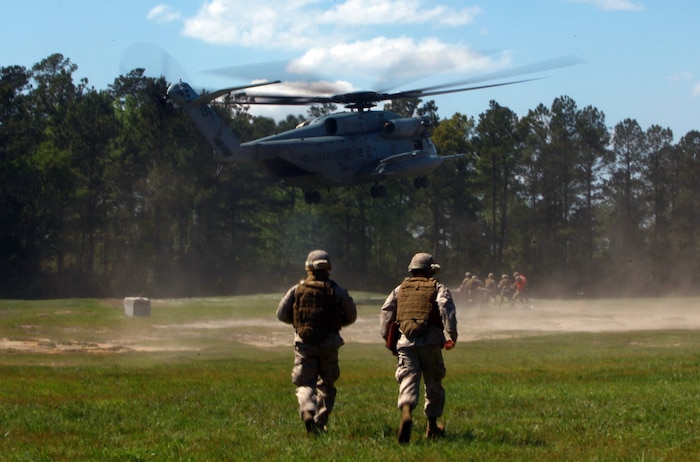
222,139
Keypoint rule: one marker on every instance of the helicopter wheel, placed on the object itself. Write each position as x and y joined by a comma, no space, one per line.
312,197
378,190
420,182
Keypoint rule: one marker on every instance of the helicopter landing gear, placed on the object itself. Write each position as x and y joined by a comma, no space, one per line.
377,190
420,182
312,197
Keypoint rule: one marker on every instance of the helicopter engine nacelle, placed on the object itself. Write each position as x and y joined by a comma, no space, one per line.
402,128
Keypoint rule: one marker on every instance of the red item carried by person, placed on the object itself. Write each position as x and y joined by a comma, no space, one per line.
392,338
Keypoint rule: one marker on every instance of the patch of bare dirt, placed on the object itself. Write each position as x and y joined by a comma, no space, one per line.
545,316
51,347
551,316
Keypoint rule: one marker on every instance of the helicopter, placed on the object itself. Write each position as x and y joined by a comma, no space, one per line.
346,148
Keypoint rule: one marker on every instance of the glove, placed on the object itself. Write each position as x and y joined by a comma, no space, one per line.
449,344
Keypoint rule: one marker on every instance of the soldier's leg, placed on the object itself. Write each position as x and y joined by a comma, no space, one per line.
304,376
329,372
408,375
433,372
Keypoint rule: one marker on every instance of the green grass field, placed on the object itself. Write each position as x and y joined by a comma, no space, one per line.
209,380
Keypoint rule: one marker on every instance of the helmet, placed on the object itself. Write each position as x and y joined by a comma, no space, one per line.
467,274
516,274
318,260
504,276
490,275
423,262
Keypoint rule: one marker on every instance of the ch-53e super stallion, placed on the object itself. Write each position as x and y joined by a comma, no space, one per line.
340,149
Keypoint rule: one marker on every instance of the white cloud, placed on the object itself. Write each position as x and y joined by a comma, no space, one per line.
395,56
367,12
300,24
686,79
681,77
343,37
613,5
270,24
696,90
163,13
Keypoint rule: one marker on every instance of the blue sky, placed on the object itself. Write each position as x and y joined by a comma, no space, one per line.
639,56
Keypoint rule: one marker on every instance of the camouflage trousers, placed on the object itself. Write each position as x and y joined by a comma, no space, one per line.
315,373
425,361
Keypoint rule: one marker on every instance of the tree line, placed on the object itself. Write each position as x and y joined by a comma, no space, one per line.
111,193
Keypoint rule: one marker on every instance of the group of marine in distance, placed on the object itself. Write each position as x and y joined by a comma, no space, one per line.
473,292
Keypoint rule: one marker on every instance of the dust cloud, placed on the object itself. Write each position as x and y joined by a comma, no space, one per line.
559,316
475,323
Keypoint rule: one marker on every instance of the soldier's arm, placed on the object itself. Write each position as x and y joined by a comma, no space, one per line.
285,310
387,315
448,311
347,305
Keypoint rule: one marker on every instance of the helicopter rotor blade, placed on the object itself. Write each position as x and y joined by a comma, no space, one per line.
421,93
300,82
541,66
208,97
367,99
363,99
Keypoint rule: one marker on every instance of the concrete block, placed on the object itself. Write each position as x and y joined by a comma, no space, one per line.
137,306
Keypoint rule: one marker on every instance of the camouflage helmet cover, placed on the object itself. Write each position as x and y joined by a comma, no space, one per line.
423,262
318,260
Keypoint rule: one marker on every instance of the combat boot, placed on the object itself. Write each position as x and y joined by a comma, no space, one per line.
434,429
309,423
405,425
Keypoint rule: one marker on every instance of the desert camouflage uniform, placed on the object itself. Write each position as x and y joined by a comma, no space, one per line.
316,366
490,288
505,289
422,355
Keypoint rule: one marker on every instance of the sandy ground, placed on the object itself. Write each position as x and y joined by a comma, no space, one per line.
545,316
549,316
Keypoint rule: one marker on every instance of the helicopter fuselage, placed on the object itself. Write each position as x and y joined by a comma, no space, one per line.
339,149
346,148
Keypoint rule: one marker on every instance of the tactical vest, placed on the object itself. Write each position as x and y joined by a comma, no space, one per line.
316,312
417,308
